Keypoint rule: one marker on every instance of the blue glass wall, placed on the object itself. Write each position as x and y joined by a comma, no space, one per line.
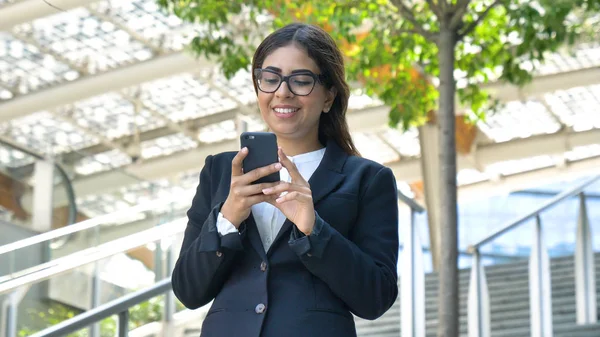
477,219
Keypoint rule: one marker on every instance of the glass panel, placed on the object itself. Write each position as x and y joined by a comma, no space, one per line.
25,68
183,97
146,20
577,107
519,120
47,134
69,294
584,55
85,41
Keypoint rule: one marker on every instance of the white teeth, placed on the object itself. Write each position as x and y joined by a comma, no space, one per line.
285,111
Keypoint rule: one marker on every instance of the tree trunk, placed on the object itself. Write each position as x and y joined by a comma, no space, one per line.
448,314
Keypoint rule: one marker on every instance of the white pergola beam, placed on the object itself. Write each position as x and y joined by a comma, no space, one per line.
89,86
544,145
552,144
29,10
544,84
529,179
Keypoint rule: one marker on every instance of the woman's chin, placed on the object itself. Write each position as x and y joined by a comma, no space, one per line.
283,128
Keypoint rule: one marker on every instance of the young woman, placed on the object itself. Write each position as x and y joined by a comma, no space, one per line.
298,263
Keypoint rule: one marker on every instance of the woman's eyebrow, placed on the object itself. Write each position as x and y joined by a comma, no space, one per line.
293,71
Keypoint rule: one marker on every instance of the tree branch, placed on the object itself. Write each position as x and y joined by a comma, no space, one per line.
397,32
471,27
435,8
443,6
408,15
459,11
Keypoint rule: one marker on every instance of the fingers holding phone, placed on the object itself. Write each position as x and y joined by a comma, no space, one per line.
253,169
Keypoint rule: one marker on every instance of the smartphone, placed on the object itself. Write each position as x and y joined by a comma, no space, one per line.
262,151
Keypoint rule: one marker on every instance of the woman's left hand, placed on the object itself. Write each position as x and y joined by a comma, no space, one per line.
297,203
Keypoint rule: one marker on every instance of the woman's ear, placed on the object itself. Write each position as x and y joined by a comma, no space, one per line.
330,97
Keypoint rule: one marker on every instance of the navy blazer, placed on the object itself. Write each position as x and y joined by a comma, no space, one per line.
304,285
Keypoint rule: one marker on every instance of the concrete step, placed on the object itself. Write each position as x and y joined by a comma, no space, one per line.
508,286
561,282
515,268
520,273
561,295
386,323
505,312
568,329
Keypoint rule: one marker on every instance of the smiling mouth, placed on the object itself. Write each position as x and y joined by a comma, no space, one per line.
285,110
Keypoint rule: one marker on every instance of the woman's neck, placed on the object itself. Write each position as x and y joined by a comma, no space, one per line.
292,147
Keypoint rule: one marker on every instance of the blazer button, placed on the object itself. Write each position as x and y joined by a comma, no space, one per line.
219,254
260,308
263,266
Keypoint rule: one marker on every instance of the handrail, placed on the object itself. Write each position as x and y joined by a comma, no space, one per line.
78,227
410,202
103,311
98,221
470,254
94,254
521,219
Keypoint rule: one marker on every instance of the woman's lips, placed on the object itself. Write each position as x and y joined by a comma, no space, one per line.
285,112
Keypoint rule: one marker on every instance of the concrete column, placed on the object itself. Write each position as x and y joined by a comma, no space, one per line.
43,188
430,161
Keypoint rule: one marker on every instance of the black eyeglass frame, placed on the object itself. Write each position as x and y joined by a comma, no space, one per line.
316,78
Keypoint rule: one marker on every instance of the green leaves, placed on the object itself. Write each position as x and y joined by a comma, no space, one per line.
386,52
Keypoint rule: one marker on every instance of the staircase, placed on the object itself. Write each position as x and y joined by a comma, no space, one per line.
509,303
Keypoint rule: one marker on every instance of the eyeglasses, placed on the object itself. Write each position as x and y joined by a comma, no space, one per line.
300,84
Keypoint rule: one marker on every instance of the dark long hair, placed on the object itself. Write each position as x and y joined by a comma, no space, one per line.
322,49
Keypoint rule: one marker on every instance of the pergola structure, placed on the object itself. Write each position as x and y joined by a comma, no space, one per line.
107,89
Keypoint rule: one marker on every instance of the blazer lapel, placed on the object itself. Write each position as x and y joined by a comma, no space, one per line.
324,180
254,237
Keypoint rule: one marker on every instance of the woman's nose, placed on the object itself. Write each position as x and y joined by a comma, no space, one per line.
284,90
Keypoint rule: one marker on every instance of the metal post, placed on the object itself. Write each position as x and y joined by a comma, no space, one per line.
8,318
11,319
540,292
168,326
123,328
585,281
10,311
412,284
159,269
96,285
479,300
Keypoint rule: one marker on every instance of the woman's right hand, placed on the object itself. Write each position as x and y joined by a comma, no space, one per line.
242,194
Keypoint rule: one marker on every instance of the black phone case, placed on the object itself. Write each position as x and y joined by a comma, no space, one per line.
262,147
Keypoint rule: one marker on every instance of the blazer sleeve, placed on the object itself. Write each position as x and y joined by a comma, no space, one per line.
361,269
206,257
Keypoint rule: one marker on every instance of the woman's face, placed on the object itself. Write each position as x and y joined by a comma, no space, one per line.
289,115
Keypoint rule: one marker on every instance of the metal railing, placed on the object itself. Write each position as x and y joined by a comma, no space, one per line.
93,225
18,286
19,283
78,227
118,307
539,271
